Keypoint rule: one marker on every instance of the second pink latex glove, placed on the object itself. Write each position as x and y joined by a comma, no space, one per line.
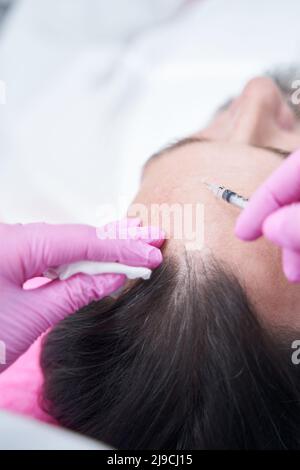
274,211
26,251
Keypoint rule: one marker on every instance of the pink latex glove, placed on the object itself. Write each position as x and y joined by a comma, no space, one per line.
274,211
26,251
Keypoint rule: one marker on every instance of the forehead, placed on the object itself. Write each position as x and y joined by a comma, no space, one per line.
193,140
169,148
176,178
178,171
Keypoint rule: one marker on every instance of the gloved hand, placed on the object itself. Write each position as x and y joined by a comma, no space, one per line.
26,251
274,211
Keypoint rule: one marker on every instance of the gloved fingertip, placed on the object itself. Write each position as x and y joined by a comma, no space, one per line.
291,265
155,258
157,236
241,232
291,274
149,234
244,233
158,243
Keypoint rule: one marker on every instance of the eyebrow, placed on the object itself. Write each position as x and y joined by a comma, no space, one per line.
194,140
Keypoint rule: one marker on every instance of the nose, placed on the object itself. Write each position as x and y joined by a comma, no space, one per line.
260,110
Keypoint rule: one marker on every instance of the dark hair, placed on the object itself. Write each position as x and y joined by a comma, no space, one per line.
177,362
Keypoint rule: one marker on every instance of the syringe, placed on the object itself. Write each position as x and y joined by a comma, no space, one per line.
227,195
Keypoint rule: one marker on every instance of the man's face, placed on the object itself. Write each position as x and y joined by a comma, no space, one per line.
236,152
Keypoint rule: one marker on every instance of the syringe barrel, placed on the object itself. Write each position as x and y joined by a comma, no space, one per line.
234,199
